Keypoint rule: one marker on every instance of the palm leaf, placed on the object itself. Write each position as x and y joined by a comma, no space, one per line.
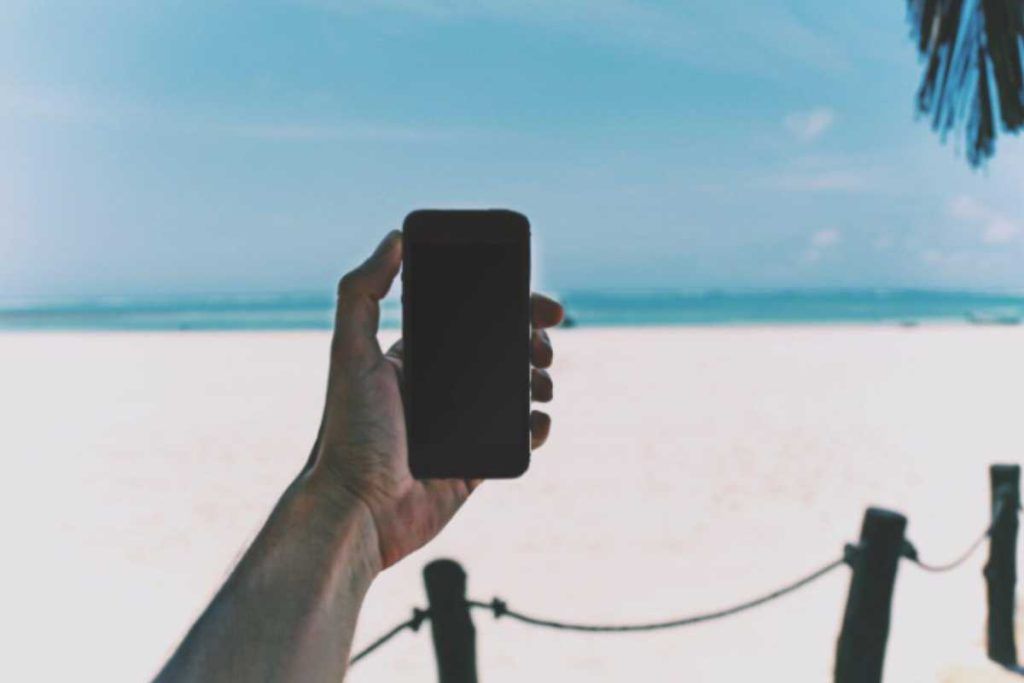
971,47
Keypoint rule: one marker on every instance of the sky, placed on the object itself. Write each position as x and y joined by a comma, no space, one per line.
163,148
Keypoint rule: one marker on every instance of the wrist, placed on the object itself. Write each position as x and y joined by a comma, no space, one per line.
344,518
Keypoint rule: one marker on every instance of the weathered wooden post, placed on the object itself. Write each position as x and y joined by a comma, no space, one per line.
454,636
1001,569
860,652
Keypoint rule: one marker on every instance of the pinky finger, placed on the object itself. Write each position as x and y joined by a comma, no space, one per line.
540,427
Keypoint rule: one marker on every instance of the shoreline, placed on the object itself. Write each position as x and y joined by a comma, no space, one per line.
585,309
931,324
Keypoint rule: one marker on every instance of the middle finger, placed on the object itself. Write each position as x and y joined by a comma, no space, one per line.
541,351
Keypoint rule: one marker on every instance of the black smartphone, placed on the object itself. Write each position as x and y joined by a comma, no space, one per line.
466,337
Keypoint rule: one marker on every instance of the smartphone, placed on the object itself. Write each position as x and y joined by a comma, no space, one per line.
466,337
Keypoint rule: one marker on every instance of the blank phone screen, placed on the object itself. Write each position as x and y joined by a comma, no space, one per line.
468,360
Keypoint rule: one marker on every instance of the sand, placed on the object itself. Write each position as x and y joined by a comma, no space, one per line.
688,468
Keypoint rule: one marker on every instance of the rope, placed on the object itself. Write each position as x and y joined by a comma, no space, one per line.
910,552
499,609
418,617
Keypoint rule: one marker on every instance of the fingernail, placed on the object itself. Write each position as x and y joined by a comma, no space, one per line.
385,243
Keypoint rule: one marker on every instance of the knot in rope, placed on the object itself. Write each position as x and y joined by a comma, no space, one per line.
418,617
851,552
908,551
498,607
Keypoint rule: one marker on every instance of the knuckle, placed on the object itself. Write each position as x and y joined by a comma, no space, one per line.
347,284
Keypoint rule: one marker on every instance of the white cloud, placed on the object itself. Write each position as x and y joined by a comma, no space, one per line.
994,226
949,259
769,38
807,126
67,106
883,242
52,104
822,181
820,242
1000,231
352,131
826,238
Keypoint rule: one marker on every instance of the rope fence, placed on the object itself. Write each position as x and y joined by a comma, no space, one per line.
500,609
860,648
910,552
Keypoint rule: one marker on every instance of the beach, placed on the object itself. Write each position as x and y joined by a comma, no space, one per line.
689,468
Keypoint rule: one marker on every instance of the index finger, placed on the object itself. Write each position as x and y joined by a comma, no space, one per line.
545,311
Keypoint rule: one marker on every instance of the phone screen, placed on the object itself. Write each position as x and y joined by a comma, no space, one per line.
466,323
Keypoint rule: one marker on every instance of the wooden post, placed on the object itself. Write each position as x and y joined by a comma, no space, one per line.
1001,569
860,651
454,636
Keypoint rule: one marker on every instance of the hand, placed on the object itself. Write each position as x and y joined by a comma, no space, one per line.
361,451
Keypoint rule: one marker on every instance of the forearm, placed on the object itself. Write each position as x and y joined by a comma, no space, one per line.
289,609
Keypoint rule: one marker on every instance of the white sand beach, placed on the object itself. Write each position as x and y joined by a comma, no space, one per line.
688,469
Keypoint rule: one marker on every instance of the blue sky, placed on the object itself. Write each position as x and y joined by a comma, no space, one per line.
153,148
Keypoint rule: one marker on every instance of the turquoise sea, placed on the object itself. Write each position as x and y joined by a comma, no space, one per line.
585,309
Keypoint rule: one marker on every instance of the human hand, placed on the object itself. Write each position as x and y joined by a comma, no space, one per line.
361,453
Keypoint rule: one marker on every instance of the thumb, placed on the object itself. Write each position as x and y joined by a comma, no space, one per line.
359,291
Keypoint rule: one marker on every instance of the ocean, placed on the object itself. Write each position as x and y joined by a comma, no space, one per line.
584,309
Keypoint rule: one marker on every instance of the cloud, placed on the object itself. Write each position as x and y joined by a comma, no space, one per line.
828,237
883,242
350,131
949,259
70,107
994,226
52,104
820,242
821,181
808,126
771,37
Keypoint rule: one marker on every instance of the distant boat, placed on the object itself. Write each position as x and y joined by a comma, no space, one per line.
991,318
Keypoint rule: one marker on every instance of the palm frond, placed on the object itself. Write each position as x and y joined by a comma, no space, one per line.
969,46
